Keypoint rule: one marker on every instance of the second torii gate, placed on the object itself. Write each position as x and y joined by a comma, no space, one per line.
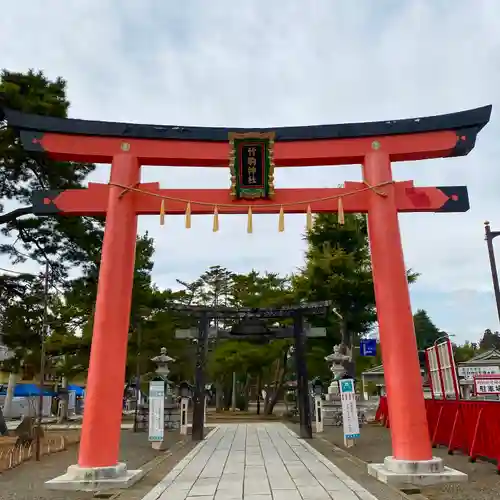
251,325
251,156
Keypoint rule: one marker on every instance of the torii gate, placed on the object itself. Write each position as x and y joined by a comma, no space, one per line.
251,155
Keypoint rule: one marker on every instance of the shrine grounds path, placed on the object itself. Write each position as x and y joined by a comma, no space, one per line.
280,467
375,444
261,461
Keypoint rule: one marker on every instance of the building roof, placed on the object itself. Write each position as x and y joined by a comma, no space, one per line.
483,358
379,370
375,370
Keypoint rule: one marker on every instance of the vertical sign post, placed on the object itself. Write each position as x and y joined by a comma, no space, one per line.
349,412
318,406
184,415
156,410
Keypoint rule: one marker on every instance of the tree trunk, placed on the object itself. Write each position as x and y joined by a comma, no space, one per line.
233,392
259,379
3,426
278,383
7,409
246,389
219,393
227,397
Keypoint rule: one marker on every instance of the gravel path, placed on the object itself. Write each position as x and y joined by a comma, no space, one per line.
375,444
26,482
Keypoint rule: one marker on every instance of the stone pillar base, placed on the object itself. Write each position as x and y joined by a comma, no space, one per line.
95,478
405,473
159,445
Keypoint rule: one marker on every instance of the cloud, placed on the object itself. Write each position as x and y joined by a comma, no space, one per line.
286,63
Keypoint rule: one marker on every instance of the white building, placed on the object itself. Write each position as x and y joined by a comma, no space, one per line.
485,363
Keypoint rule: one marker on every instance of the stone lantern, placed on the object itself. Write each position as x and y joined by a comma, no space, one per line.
336,361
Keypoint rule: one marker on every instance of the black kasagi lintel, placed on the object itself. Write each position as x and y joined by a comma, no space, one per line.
311,308
32,140
458,199
466,124
44,202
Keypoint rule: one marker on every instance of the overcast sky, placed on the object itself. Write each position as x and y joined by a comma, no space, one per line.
287,62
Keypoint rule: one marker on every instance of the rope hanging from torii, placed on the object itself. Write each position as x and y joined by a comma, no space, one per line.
251,165
281,206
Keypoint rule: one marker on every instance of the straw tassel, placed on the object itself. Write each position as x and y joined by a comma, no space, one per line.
249,221
162,213
281,220
188,215
341,217
309,218
215,227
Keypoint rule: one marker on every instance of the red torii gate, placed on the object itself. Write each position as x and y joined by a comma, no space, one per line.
127,147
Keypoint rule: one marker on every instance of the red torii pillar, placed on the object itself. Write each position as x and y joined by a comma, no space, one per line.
100,438
403,380
373,145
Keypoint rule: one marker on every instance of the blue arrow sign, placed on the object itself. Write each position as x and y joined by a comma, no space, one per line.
368,347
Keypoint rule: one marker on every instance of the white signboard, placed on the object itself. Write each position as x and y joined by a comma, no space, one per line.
156,410
484,385
442,370
349,410
318,411
468,372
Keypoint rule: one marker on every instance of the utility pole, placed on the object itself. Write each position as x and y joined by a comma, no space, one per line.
489,236
42,357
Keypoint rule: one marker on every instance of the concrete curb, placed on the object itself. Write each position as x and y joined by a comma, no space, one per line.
146,469
364,465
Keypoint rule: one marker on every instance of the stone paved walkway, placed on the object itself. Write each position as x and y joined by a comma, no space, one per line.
256,462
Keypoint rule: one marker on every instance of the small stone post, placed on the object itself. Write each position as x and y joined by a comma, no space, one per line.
318,406
184,416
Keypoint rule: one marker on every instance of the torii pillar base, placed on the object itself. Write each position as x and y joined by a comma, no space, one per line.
404,474
95,478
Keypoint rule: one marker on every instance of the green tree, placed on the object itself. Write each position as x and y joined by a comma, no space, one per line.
338,268
465,352
151,325
489,340
262,364
66,241
426,331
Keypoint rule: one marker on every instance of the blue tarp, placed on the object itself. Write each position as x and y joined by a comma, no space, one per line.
25,390
79,391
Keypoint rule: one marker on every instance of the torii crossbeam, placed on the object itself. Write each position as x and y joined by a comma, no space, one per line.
251,156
